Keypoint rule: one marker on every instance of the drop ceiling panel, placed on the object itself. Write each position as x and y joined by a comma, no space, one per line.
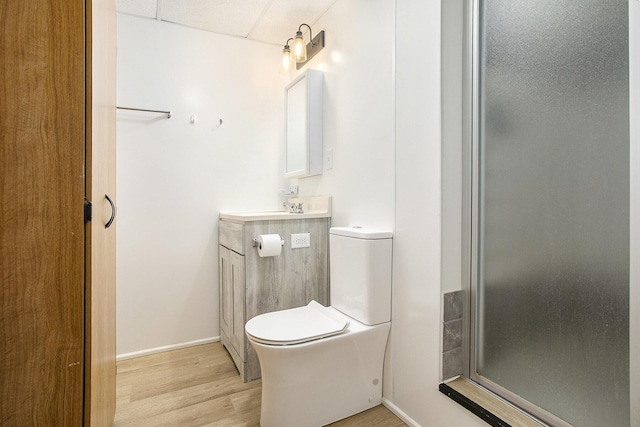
146,8
282,18
233,17
270,21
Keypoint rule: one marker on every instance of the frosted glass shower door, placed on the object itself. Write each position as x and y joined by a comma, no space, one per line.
551,161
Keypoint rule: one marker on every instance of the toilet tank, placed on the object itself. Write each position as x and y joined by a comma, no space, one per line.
360,273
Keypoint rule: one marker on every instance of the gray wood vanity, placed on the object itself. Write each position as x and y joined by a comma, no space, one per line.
251,285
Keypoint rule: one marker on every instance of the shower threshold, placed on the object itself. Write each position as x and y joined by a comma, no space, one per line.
486,405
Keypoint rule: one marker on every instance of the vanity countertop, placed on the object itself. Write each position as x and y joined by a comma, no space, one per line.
313,207
271,215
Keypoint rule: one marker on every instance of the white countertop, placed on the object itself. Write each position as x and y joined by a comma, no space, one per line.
318,207
271,215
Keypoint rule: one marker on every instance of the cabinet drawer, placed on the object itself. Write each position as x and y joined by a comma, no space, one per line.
231,235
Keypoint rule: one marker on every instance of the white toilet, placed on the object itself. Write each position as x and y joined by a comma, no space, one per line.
322,364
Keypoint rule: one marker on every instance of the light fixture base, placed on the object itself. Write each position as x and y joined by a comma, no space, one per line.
313,47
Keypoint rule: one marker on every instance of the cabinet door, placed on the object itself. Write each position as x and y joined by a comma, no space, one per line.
226,292
42,81
237,285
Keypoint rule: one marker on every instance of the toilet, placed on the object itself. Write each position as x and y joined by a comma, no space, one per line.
322,364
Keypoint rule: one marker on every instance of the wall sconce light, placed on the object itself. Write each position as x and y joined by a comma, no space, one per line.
302,53
286,55
299,46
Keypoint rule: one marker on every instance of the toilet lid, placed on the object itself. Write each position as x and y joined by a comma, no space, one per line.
296,325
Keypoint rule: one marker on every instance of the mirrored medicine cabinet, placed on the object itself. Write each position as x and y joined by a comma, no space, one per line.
303,125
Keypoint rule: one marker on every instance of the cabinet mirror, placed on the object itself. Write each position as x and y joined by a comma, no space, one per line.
303,125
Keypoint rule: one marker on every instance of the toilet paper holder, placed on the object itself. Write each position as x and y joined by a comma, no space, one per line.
255,242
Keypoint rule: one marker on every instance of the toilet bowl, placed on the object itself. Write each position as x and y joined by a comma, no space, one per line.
322,364
323,380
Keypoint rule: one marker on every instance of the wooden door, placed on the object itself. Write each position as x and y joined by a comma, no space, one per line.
42,186
100,374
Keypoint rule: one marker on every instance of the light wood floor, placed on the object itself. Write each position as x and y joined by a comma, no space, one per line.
200,386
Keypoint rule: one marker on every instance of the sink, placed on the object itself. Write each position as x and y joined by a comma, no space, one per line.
313,207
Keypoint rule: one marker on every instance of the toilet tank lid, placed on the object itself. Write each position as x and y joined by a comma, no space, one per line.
361,233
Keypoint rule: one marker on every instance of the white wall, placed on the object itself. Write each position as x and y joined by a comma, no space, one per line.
416,330
358,112
174,177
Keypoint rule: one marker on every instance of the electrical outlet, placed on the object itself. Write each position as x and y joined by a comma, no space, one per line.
293,190
300,240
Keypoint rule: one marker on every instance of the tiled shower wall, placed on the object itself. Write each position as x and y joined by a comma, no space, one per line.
452,356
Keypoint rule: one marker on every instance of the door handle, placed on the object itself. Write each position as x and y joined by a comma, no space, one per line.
113,211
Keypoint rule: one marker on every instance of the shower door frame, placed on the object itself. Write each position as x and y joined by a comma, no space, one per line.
470,181
634,218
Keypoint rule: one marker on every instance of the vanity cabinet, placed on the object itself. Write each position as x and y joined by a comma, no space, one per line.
251,285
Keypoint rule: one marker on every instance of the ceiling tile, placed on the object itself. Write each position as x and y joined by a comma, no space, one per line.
270,21
282,18
233,17
146,8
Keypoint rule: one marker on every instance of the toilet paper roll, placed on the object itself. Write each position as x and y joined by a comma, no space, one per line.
269,245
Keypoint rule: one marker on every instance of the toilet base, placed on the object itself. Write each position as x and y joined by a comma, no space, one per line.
323,381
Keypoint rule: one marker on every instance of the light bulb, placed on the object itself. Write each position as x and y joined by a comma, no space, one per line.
286,58
299,48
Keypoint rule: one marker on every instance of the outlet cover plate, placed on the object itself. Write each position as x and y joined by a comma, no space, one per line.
328,158
300,240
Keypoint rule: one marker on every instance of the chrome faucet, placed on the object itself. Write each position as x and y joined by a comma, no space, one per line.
293,207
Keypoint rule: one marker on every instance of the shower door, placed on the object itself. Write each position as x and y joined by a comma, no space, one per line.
550,207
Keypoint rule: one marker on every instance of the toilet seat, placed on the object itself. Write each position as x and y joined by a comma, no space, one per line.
296,325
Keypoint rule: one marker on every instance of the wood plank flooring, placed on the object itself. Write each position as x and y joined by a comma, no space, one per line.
200,386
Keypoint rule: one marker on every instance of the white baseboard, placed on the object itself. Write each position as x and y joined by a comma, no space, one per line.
399,413
147,352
